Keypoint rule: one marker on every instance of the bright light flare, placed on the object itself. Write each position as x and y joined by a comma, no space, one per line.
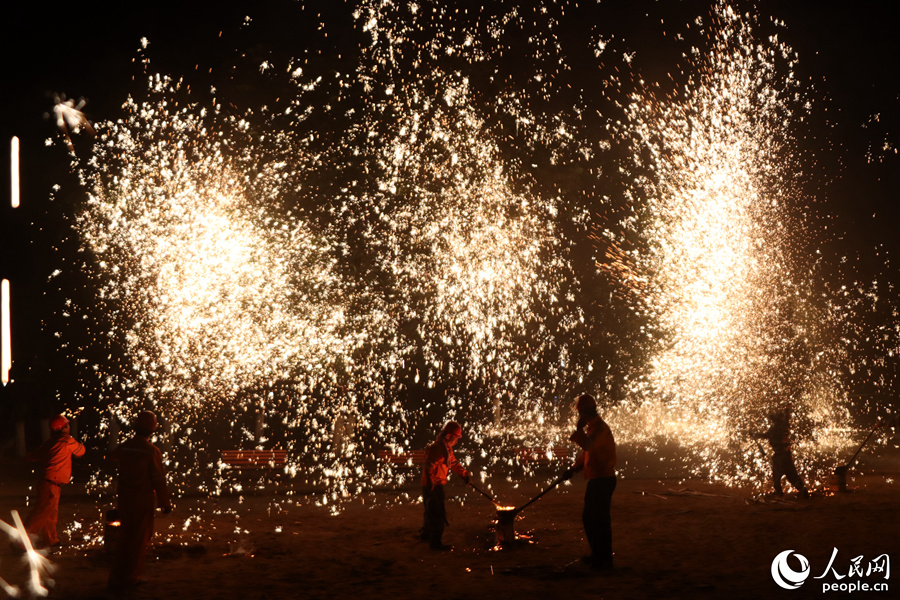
39,566
70,119
221,294
5,332
14,172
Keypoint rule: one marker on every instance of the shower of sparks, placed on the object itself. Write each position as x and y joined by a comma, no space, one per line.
486,259
363,320
386,243
736,328
479,262
215,293
70,119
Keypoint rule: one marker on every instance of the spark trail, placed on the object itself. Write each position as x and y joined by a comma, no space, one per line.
378,242
214,291
737,328
248,267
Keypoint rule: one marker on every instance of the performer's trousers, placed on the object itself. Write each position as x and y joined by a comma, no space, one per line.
435,514
42,519
134,538
596,519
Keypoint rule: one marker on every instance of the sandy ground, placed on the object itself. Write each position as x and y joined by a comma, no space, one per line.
673,539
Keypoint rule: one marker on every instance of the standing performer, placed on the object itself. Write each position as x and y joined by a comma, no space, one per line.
55,456
142,487
598,460
439,461
779,437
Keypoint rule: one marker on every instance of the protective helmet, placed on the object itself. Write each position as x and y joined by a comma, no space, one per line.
451,428
146,422
586,403
58,423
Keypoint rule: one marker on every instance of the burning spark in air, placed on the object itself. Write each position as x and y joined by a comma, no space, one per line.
738,330
70,119
341,269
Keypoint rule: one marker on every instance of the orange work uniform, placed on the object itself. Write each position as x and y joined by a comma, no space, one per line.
599,449
141,488
56,459
439,461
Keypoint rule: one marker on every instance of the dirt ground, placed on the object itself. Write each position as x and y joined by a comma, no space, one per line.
673,539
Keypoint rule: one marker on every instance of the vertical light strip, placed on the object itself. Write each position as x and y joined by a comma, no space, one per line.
14,171
5,333
5,330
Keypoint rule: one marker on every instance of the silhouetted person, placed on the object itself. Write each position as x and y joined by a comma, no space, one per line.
598,461
779,437
141,489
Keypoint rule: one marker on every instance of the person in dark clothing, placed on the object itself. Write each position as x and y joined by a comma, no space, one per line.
55,456
439,461
779,437
141,489
598,461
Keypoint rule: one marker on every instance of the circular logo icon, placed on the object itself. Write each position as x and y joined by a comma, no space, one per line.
784,575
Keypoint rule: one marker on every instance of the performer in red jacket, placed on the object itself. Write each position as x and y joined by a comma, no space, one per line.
55,457
439,461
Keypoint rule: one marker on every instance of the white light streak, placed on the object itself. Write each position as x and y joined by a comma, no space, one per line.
14,171
5,332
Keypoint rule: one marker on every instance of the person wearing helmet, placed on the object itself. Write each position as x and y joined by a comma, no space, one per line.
55,456
598,461
439,461
141,489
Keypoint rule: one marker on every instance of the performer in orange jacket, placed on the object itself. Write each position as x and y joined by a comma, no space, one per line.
598,460
141,488
439,461
55,457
